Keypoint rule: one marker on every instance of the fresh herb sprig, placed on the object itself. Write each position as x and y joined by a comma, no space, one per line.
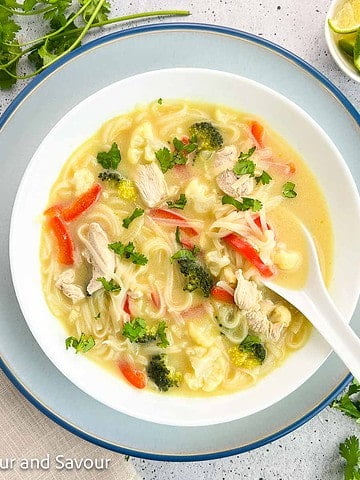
136,213
128,252
350,451
246,203
349,402
82,344
67,23
179,203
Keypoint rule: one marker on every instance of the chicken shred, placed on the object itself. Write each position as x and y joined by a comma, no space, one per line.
65,283
99,256
151,184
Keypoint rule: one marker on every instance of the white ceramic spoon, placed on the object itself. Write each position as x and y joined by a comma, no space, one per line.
314,301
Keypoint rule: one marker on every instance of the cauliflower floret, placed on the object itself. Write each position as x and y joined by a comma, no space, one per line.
228,276
83,179
143,144
209,366
216,262
287,260
202,334
199,196
281,314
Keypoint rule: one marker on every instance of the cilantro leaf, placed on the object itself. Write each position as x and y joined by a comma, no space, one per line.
139,332
288,190
165,159
128,252
180,203
264,178
246,204
82,345
350,451
134,330
177,236
136,213
109,286
347,403
244,166
110,159
160,101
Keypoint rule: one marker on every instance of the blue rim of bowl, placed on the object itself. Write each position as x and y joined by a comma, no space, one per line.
154,28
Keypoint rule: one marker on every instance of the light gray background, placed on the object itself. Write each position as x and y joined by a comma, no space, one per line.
310,452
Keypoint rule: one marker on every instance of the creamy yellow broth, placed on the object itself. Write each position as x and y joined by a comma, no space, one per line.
200,334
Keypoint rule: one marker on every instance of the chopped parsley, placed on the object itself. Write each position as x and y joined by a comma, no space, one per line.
109,286
110,159
128,252
264,178
160,101
180,203
288,190
98,315
136,213
246,203
82,345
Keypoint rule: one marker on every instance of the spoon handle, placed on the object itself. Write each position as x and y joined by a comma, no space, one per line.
329,322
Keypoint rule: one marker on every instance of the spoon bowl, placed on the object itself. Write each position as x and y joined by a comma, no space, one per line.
315,303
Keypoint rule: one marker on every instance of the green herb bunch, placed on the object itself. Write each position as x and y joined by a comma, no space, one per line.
67,23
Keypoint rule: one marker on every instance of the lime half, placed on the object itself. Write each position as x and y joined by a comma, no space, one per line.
347,18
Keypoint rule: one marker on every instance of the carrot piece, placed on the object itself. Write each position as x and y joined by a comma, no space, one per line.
222,295
82,203
136,377
64,240
257,131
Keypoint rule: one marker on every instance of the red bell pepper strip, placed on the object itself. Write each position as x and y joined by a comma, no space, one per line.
136,377
257,131
162,214
65,243
248,251
222,295
82,203
126,306
257,221
155,297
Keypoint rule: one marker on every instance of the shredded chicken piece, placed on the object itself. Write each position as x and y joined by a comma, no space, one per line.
233,185
246,295
97,253
259,322
151,184
66,285
249,298
225,159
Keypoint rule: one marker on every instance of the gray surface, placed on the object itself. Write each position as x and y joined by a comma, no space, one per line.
311,451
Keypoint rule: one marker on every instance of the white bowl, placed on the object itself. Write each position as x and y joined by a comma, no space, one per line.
342,60
82,122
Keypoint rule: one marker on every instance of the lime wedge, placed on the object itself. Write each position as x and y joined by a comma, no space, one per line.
347,18
357,51
347,46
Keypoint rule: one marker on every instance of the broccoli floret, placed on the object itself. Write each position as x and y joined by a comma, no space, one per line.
196,275
253,345
206,136
110,176
160,374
